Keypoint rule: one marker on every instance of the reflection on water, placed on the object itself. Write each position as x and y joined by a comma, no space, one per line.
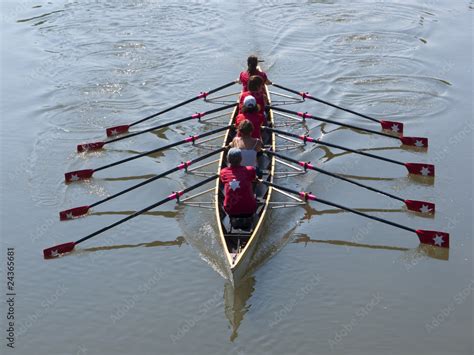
420,251
311,211
236,302
236,297
126,178
157,243
72,71
166,214
38,17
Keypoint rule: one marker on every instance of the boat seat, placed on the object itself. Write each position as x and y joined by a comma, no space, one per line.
243,222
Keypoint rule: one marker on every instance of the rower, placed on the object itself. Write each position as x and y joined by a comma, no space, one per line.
250,112
252,63
255,89
239,200
248,145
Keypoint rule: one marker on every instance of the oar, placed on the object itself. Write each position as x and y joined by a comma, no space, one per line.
82,210
436,238
57,250
87,173
419,142
99,145
395,127
412,205
112,131
413,168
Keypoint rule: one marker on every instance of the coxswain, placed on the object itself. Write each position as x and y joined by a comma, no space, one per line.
252,63
239,198
248,145
250,112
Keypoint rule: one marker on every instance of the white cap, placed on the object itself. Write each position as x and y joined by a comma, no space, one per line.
250,101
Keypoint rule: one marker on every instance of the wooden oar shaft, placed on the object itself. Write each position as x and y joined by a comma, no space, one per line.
159,176
317,118
146,209
337,176
305,139
306,95
171,145
171,123
317,199
202,95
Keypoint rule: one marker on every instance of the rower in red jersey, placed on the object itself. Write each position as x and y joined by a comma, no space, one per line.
250,112
252,63
255,89
239,198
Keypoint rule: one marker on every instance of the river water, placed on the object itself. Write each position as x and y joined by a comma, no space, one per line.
323,281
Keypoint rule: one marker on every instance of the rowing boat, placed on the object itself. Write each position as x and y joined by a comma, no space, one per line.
239,245
239,241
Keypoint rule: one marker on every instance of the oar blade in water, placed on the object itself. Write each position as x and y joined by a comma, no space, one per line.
78,175
89,146
58,250
419,142
115,131
421,169
73,213
392,126
420,206
435,238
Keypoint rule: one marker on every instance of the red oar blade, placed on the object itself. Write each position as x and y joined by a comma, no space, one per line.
435,238
114,131
58,250
419,142
421,169
73,213
420,206
78,175
89,146
392,126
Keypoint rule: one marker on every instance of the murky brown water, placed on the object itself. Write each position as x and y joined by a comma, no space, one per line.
325,281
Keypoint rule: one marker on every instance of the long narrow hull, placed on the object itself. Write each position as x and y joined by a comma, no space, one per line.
238,246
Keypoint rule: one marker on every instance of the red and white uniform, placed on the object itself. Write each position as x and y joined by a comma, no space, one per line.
257,120
239,198
245,75
259,97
